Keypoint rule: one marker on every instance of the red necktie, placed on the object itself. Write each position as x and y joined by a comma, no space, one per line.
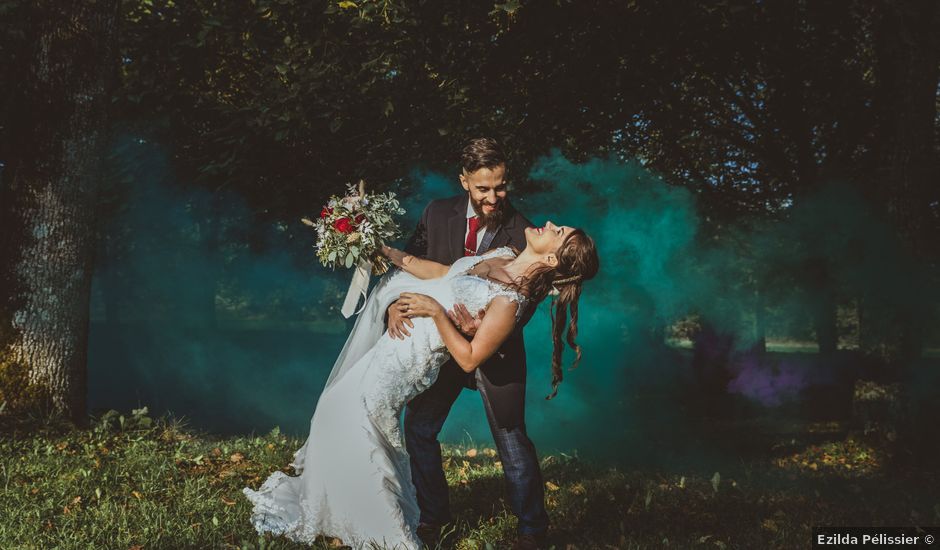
470,247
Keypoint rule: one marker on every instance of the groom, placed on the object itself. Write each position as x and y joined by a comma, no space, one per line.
474,222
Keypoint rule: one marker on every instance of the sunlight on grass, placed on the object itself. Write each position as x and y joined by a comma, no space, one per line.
849,458
132,482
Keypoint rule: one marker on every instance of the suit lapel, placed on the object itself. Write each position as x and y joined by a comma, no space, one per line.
498,238
488,239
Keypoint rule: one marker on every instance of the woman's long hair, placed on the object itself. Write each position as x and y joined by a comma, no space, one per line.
577,262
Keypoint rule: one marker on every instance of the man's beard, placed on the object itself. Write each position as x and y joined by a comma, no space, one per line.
492,220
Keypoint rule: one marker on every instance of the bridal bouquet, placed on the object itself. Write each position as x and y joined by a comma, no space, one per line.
351,230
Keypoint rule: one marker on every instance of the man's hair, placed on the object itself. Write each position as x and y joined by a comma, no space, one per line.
481,153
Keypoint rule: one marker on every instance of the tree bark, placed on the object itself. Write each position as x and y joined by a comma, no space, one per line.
54,150
907,72
760,322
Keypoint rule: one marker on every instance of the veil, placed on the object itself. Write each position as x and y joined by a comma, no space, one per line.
369,327
370,323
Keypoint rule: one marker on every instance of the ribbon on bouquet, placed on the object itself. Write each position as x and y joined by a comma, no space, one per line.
358,286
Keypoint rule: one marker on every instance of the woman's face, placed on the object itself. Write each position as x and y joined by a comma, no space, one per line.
547,239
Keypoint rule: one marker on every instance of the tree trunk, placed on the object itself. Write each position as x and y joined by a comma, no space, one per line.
54,153
907,71
760,323
823,304
826,324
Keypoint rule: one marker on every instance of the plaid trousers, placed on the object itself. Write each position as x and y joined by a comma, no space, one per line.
424,418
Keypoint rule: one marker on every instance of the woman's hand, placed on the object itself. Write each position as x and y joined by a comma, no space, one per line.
419,305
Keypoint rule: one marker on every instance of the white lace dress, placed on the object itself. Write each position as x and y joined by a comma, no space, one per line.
355,477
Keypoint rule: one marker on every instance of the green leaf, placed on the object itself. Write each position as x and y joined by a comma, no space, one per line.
349,260
336,124
346,4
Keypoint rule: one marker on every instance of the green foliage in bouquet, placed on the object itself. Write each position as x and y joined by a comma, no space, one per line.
353,227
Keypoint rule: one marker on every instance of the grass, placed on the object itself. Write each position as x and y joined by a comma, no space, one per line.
136,483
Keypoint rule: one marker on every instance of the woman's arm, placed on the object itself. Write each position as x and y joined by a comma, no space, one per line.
497,325
419,267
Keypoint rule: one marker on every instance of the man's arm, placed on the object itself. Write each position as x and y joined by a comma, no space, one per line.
418,243
495,327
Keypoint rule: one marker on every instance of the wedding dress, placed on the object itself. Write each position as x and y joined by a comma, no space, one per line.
355,478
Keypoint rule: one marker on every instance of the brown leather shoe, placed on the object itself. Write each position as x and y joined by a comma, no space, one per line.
530,542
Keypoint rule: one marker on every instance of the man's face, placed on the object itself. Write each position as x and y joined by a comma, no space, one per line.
487,189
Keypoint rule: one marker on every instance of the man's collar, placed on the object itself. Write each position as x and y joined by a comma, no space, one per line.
470,211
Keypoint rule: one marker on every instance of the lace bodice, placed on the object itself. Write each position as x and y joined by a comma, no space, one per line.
477,292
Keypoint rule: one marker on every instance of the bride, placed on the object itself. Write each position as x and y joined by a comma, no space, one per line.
355,478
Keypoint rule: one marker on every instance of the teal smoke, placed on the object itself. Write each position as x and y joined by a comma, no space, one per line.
201,310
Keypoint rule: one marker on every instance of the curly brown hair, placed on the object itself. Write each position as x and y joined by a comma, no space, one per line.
577,262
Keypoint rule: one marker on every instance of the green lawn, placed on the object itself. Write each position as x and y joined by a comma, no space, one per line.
137,483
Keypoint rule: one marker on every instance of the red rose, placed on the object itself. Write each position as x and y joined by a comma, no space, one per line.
342,225
325,212
360,218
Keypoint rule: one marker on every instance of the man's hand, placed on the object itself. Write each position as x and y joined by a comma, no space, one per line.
397,322
465,323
